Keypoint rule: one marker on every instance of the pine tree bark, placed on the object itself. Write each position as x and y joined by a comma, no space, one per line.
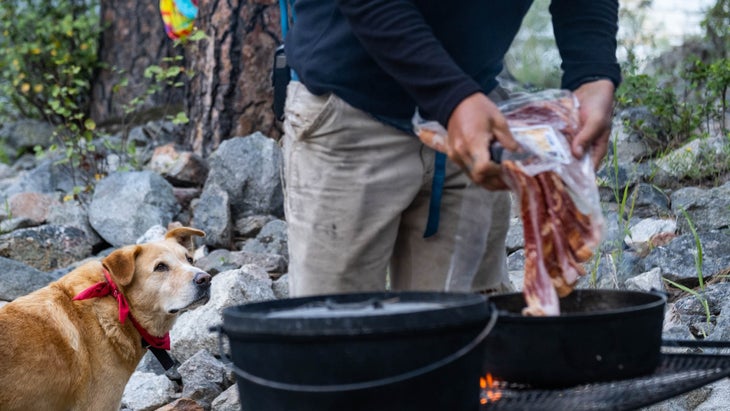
230,93
133,39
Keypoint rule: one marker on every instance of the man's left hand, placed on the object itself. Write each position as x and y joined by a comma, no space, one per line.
596,115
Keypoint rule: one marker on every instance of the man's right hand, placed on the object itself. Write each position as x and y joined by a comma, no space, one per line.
473,125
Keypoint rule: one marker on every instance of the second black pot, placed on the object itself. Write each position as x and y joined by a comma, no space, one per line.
601,335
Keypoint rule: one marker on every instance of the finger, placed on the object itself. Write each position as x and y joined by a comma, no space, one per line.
599,149
503,134
494,184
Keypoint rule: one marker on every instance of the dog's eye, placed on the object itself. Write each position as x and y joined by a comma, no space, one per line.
190,259
161,267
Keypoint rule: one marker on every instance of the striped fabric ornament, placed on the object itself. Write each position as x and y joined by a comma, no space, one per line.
178,16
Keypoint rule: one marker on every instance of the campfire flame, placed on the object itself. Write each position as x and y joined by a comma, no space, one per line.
490,389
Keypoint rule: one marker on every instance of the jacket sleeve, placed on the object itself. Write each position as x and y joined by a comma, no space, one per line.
585,32
397,37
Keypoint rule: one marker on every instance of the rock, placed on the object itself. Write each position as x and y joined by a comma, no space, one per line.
697,159
186,195
180,168
272,239
147,391
150,364
74,214
47,177
33,206
718,398
250,226
281,287
182,404
13,224
632,145
204,378
18,279
707,209
228,400
648,281
191,332
648,201
213,211
249,168
641,234
23,135
612,181
223,260
677,258
515,235
154,233
126,204
46,247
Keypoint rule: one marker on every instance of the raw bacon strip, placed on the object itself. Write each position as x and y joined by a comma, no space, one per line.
577,227
566,269
539,291
558,237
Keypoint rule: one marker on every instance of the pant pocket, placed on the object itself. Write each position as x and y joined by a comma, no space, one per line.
305,112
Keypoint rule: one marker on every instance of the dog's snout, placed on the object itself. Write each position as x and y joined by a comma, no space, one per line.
202,279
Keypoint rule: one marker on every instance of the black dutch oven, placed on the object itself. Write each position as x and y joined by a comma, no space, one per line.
600,335
371,351
427,351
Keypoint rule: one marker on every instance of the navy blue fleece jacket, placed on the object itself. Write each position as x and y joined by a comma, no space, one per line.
388,56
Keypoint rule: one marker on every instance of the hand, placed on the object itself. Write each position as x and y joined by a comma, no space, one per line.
473,124
596,113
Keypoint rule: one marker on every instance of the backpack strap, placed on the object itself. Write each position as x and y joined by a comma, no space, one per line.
286,7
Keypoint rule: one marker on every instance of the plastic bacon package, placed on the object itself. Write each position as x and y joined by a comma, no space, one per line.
557,193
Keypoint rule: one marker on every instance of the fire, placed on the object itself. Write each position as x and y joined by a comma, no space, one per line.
490,389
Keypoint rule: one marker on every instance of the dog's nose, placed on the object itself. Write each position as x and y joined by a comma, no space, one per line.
202,279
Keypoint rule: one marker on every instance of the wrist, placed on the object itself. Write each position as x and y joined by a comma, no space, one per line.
591,79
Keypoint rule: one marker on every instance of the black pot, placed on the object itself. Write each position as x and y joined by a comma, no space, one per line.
600,335
371,351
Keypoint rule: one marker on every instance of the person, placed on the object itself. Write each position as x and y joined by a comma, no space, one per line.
359,184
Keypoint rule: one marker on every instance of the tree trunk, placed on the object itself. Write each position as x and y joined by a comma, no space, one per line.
230,93
134,39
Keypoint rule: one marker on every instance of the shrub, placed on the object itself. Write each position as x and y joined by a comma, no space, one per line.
48,54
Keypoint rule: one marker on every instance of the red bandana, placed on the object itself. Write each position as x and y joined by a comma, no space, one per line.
108,287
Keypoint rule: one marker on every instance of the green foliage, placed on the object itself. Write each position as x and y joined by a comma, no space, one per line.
677,119
717,27
714,81
48,53
166,75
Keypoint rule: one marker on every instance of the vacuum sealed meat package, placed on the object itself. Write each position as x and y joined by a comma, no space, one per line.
558,196
557,193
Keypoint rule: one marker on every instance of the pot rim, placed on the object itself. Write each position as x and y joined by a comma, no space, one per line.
659,301
457,310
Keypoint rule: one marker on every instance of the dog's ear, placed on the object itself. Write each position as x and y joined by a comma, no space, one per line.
184,236
120,263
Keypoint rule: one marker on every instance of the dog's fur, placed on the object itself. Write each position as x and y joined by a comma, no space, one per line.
58,354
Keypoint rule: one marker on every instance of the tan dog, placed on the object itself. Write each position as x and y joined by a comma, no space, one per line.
57,353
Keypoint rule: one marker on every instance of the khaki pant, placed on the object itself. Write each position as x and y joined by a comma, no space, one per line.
357,196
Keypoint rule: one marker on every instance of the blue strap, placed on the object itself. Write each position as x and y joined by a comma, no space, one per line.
284,7
437,188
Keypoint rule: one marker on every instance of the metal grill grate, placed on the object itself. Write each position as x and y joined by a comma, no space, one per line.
676,374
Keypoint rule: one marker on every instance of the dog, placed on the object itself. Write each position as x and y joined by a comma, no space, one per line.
74,344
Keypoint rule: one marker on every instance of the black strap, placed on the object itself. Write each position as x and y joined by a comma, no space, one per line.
168,363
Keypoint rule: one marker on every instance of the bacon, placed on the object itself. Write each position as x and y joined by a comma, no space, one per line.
538,289
558,236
